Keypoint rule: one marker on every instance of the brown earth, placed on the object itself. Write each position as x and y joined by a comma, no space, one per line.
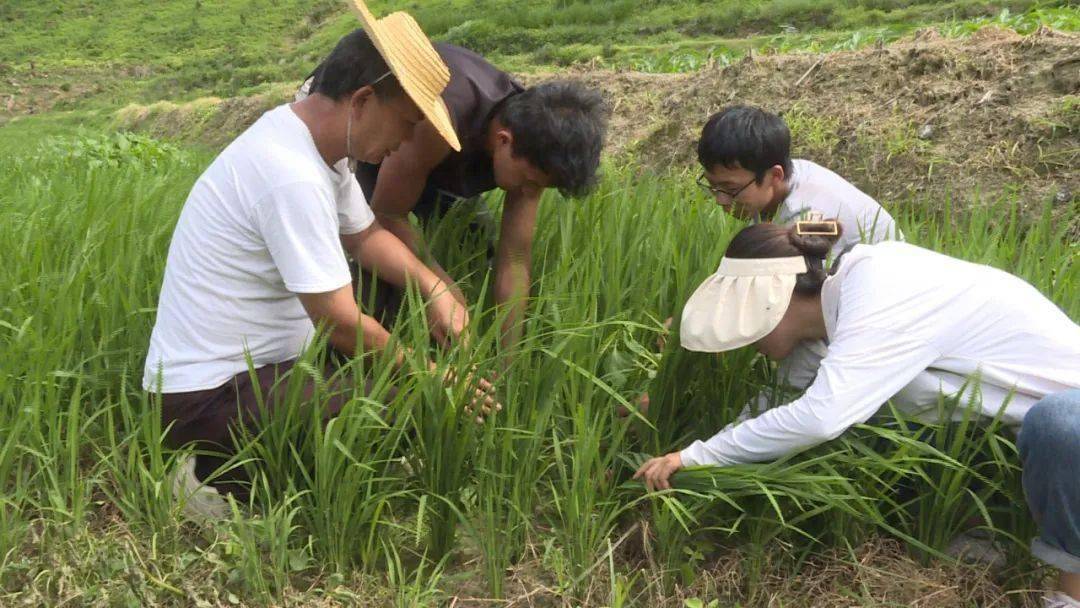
926,116
924,119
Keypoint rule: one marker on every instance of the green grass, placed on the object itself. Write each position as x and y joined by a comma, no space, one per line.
85,517
106,53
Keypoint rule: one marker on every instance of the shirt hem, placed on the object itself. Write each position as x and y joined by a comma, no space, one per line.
346,230
318,287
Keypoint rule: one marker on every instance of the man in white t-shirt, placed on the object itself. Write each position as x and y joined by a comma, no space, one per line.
257,259
746,156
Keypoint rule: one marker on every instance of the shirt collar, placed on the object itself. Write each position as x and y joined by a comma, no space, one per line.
340,168
833,287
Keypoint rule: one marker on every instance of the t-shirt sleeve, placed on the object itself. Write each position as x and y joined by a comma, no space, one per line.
299,225
860,373
868,361
354,214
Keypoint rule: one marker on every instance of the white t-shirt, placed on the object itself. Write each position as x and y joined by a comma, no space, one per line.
897,314
261,224
815,188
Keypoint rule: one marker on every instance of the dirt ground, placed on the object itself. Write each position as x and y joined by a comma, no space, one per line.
877,573
922,119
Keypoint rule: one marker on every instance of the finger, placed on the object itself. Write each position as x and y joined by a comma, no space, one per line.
651,481
482,400
485,403
645,468
662,479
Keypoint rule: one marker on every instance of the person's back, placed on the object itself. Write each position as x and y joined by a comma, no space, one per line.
978,321
816,189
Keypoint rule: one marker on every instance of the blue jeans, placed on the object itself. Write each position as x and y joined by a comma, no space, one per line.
1049,446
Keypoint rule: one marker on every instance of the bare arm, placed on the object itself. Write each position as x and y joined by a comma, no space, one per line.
337,310
382,253
513,260
402,178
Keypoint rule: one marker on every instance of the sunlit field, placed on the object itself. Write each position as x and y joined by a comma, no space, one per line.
411,499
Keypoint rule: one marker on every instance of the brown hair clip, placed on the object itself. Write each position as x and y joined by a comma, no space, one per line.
815,225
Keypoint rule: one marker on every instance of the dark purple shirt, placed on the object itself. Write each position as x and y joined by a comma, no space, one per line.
476,88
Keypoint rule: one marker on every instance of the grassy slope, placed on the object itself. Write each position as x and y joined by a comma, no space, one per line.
80,460
110,52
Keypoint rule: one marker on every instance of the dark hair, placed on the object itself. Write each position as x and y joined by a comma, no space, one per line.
354,63
559,128
750,137
768,240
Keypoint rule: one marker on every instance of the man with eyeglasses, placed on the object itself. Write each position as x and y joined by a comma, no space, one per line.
746,155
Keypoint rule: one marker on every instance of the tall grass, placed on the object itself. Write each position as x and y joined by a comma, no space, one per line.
405,486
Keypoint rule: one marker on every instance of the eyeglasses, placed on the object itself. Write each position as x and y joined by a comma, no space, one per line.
715,190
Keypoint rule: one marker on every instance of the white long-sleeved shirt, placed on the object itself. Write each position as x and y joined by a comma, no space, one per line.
894,313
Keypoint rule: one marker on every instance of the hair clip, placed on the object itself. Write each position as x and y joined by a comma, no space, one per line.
815,225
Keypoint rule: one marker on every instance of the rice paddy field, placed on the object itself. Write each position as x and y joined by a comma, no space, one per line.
404,500
415,503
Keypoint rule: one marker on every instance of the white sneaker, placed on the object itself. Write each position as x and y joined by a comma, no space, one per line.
199,502
971,547
1059,600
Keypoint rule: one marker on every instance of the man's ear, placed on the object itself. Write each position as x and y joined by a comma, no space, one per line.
777,172
504,137
359,97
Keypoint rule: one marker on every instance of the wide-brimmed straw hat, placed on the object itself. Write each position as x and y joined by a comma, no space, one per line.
414,62
739,304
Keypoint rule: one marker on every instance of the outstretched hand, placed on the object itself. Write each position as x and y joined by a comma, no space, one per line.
483,401
657,471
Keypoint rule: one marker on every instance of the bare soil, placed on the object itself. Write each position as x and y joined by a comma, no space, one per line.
925,118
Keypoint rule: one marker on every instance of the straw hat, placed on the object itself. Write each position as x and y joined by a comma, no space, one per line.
414,62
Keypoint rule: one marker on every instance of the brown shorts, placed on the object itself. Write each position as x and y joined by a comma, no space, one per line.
208,419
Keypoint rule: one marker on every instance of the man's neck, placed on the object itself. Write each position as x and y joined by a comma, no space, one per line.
782,192
324,121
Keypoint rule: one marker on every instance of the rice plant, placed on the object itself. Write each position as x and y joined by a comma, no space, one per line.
406,487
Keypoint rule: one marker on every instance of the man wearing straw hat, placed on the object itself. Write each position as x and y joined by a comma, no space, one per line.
257,259
520,140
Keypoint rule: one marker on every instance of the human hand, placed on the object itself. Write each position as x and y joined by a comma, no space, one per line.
661,340
642,406
656,471
449,317
482,401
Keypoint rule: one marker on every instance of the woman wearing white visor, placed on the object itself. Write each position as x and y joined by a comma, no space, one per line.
897,318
